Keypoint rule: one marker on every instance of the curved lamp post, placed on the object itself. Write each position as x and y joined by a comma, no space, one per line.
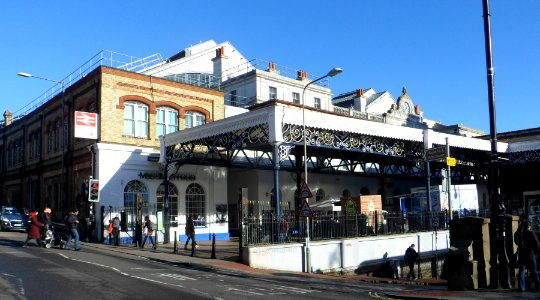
62,180
331,73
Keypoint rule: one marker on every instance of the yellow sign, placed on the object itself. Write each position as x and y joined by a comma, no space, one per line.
450,161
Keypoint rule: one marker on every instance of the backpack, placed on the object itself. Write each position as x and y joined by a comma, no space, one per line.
407,255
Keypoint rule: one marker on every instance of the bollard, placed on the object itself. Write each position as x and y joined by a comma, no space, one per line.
175,246
213,246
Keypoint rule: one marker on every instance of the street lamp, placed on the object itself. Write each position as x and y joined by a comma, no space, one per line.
331,73
62,179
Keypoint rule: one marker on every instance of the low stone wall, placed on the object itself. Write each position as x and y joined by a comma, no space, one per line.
364,255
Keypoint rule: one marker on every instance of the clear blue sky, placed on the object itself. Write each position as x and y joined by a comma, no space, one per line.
434,48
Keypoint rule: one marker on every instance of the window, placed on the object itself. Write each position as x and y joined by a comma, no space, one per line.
133,192
173,201
31,149
272,93
136,119
194,118
65,135
317,103
50,138
196,204
233,98
296,98
57,136
166,121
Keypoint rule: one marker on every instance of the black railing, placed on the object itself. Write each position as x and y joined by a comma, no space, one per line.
267,229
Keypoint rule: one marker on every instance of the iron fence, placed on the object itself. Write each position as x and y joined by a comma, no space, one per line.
268,229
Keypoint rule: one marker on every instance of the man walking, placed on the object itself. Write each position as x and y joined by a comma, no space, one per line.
410,259
528,248
149,232
72,223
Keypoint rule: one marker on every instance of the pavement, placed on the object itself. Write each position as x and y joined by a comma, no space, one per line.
224,254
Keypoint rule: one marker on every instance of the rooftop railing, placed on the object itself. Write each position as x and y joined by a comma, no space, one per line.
103,58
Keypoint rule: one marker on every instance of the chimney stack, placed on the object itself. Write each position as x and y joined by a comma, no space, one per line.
8,118
220,52
302,75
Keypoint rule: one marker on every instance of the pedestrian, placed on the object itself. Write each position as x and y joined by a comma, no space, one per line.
45,216
528,248
149,232
72,223
34,230
116,230
190,233
410,259
284,230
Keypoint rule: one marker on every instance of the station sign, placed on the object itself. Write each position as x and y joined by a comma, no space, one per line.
437,153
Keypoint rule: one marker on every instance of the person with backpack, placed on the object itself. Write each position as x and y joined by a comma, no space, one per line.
149,232
410,259
528,248
115,231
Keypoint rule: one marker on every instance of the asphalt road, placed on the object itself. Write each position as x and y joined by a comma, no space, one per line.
99,273
38,273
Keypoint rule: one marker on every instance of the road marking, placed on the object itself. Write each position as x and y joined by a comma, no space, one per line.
174,276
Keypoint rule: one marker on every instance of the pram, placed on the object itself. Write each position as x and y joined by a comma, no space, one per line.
47,236
55,235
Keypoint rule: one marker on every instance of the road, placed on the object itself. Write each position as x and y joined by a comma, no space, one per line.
38,273
99,273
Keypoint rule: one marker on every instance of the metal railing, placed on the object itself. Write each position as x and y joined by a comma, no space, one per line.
267,229
103,58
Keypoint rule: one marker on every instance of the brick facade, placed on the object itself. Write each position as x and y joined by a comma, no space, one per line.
31,146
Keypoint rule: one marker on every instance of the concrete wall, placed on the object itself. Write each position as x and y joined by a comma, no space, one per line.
345,254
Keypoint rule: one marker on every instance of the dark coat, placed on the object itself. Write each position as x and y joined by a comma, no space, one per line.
190,227
410,256
527,246
34,231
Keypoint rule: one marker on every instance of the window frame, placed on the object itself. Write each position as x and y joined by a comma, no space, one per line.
196,119
169,124
138,120
272,92
296,99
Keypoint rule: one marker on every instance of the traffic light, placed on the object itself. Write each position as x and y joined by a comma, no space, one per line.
93,190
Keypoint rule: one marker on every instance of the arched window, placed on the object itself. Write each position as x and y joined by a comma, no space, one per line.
194,118
166,120
196,204
136,119
173,200
132,190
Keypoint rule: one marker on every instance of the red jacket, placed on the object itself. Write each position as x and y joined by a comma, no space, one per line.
33,228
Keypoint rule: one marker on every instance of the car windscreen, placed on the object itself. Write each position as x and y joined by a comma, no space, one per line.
11,211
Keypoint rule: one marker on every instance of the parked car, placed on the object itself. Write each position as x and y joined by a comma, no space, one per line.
13,218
